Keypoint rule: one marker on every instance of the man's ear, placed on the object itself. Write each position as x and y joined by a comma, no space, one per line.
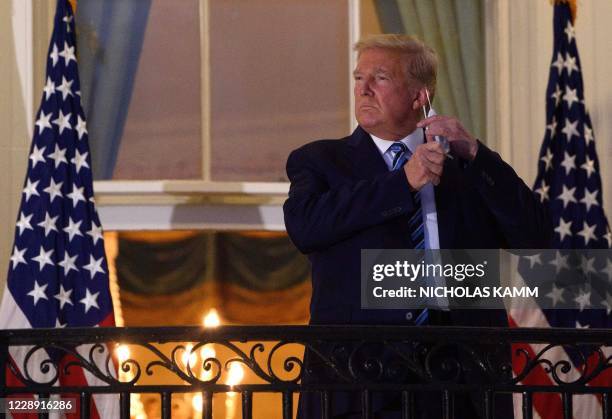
420,100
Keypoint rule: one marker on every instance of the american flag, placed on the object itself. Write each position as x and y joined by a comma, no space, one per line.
58,275
569,183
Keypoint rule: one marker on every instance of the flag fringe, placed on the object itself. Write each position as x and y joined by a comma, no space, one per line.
572,5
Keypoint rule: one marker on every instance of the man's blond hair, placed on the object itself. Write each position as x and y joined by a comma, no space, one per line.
421,60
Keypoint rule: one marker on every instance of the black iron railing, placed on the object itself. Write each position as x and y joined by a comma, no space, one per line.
404,360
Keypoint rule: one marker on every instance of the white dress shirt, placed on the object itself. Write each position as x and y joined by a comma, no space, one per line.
428,201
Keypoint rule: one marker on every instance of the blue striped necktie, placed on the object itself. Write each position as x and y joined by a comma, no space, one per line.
401,154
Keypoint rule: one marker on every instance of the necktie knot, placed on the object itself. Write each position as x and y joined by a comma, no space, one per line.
400,154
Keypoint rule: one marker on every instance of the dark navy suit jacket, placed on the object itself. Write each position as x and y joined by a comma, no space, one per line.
343,199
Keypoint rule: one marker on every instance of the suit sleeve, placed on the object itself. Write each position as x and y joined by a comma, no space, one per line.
318,215
523,220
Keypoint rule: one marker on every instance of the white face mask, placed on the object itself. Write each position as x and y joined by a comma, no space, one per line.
426,114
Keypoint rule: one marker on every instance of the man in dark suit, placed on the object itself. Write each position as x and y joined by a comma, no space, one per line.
352,194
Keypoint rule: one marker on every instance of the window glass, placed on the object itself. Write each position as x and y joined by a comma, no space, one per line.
279,79
139,62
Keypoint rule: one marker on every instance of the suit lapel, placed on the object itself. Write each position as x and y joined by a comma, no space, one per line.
365,158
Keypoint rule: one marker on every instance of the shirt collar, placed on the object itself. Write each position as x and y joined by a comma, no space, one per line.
412,141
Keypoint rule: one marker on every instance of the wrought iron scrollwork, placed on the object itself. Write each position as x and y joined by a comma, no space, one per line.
275,360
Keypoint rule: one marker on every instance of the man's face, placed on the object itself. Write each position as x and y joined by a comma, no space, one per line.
384,99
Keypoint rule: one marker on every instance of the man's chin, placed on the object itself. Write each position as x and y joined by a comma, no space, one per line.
367,122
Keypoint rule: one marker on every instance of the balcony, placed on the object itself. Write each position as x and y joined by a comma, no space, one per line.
249,362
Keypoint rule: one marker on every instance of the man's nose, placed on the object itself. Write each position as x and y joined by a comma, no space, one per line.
365,89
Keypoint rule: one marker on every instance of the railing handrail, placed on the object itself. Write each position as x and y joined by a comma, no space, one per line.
600,337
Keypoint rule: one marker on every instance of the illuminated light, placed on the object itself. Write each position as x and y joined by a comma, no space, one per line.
196,402
123,353
235,374
189,355
136,407
212,318
207,352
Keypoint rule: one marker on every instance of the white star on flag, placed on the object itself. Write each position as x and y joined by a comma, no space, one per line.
79,160
557,96
30,189
547,159
68,54
534,260
73,229
559,63
67,20
43,121
570,129
81,127
590,199
54,190
543,191
59,155
63,122
588,134
570,64
48,223
24,223
552,127
68,263
608,303
18,257
559,262
588,232
564,228
94,266
583,300
49,88
587,265
570,32
37,156
95,233
567,195
570,97
556,295
65,88
569,163
63,296
90,300
38,292
589,166
43,258
54,55
76,195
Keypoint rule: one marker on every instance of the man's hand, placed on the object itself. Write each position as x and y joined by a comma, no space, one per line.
425,165
460,140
